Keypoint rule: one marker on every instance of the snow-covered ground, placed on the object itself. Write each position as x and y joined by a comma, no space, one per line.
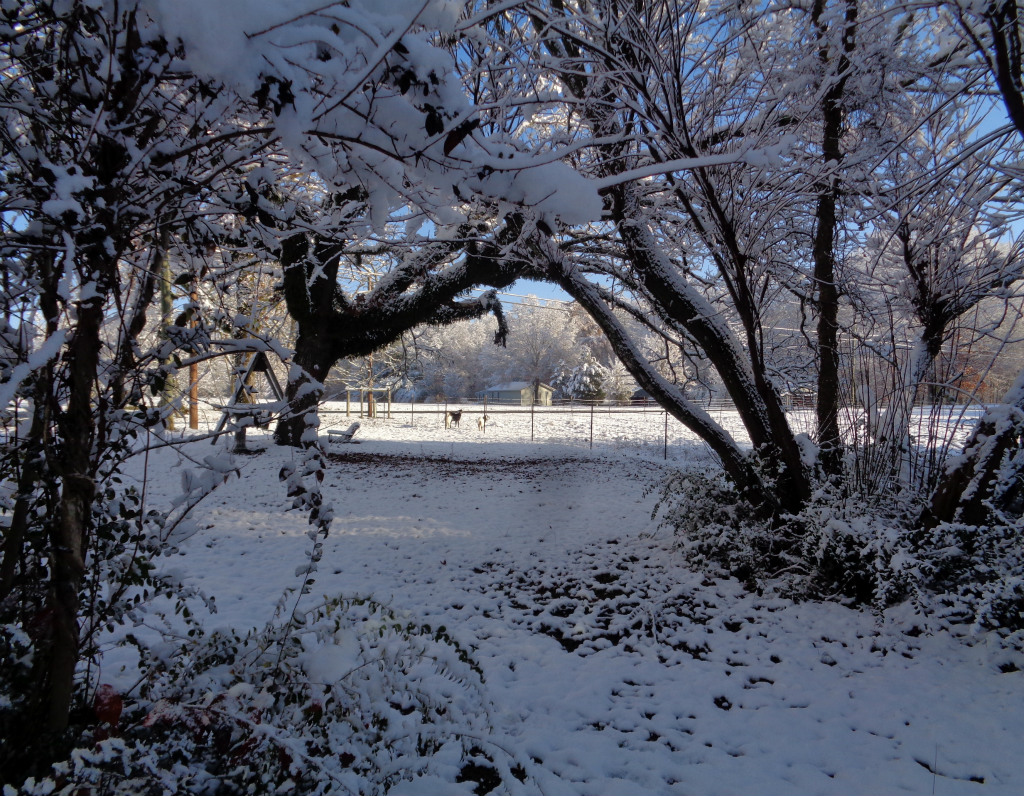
610,667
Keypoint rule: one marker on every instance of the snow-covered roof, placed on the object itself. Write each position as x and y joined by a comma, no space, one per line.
513,385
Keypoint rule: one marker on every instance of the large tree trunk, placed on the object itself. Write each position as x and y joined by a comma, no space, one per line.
824,246
311,292
757,402
69,530
314,356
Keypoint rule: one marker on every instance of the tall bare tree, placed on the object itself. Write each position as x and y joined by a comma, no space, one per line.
745,155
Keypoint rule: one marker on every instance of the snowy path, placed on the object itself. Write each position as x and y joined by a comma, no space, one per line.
610,667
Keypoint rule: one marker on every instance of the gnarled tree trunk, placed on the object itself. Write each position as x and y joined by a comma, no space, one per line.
333,326
990,473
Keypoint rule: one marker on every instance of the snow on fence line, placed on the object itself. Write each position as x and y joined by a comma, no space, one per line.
621,426
624,427
572,424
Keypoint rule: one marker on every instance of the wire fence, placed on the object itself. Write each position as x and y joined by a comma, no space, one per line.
637,427
647,428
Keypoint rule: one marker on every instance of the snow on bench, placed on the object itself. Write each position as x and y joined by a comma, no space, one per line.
337,435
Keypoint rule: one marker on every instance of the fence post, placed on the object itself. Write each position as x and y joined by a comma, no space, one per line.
485,413
348,402
591,427
533,405
666,435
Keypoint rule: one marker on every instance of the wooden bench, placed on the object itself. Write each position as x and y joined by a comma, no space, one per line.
337,435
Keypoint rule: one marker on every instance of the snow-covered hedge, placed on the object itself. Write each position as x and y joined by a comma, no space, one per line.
352,698
843,547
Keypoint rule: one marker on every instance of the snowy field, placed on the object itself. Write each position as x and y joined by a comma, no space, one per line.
610,667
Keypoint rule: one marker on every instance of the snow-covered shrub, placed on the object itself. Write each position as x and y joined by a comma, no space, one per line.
835,548
972,574
842,546
954,573
846,548
118,583
354,698
715,528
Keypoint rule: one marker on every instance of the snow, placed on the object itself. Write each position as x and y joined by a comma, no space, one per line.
219,36
67,182
329,662
552,189
610,667
13,380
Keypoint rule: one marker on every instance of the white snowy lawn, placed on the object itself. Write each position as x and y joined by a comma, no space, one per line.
610,667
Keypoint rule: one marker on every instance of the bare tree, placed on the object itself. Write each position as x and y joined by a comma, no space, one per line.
740,174
106,150
422,289
988,477
130,137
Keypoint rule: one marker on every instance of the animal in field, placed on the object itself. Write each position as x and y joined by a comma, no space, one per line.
481,422
451,419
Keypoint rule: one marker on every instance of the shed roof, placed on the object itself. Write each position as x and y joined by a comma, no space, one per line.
513,385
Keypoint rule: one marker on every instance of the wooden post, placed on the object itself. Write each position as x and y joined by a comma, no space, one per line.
348,402
485,413
371,404
389,403
193,396
533,406
240,441
166,315
591,427
193,375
